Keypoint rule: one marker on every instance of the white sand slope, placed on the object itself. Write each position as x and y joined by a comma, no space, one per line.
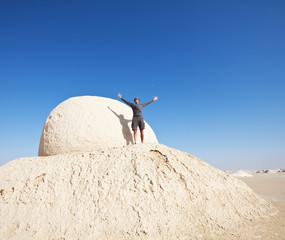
86,123
143,191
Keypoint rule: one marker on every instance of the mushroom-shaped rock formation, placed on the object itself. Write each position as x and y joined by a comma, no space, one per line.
86,123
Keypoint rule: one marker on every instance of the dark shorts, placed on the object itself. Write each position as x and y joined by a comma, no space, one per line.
138,121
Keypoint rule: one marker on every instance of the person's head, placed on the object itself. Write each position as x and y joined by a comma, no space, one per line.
136,100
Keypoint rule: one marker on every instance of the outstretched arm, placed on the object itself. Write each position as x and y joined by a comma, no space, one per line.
145,104
120,96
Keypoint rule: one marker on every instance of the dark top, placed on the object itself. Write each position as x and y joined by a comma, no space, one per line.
137,108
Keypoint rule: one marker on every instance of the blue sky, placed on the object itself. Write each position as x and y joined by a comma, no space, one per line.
218,68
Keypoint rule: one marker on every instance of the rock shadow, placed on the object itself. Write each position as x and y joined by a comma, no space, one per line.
125,128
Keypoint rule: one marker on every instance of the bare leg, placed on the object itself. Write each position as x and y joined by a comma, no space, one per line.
142,135
135,136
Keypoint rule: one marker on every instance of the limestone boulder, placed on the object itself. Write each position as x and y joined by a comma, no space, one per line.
86,123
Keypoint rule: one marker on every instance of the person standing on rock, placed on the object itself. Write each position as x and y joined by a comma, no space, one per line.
137,115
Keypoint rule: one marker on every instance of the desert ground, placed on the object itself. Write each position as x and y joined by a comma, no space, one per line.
272,187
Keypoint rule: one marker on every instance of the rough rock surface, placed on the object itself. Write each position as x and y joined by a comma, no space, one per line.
143,191
270,171
86,123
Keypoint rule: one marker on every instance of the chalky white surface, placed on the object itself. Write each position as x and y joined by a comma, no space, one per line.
89,122
143,191
241,173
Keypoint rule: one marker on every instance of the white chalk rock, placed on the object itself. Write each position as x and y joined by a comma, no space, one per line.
86,123
143,191
270,171
241,173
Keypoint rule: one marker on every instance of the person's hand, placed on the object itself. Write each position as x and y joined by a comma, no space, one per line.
155,98
119,95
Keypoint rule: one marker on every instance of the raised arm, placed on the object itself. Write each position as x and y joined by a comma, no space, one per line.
120,96
145,104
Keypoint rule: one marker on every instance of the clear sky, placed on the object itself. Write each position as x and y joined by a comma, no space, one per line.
217,67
